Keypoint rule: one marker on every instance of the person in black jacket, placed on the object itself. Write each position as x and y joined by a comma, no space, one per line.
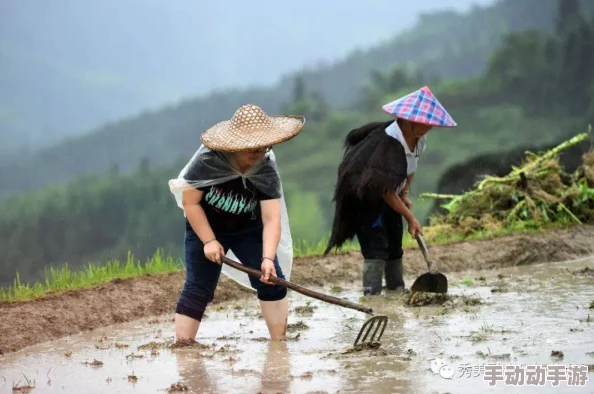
374,177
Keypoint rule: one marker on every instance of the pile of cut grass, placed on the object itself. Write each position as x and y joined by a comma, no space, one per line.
537,194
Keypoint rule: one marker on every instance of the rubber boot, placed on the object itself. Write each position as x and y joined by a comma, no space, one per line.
394,275
372,276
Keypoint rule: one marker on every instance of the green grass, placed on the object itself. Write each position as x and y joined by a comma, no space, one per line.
64,279
304,248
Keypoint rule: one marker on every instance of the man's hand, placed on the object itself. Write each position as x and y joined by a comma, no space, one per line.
267,270
214,251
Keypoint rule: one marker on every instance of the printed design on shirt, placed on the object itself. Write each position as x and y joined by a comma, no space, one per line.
229,202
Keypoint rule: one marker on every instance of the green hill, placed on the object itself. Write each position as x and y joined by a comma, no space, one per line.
531,89
445,44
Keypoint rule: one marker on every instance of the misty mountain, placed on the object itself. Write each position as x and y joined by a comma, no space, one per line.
69,66
448,44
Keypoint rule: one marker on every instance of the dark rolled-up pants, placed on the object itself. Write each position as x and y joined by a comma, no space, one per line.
202,275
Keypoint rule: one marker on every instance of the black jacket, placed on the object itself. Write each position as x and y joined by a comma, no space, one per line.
373,163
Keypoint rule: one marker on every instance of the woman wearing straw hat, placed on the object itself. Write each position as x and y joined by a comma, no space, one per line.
374,178
233,202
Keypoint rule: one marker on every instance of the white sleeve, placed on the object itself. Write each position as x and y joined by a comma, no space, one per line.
423,142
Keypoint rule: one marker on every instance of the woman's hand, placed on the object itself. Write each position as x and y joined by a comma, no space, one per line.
214,251
267,270
414,226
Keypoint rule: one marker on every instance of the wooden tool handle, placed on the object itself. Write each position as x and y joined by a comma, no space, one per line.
314,294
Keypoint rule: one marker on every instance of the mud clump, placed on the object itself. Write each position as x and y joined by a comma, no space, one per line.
448,301
424,299
156,345
588,319
499,289
306,375
362,347
185,343
305,309
205,351
586,271
26,388
502,356
299,326
177,387
557,354
95,363
336,289
411,352
366,349
132,378
228,338
289,338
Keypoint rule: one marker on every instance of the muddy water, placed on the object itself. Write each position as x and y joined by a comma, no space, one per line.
514,316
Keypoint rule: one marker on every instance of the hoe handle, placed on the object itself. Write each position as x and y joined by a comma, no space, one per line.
314,294
423,247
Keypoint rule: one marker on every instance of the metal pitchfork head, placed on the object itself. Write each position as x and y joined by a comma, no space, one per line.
379,322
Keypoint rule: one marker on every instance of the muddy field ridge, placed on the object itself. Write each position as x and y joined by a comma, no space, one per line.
25,323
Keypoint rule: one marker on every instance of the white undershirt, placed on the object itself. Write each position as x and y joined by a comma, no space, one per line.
412,158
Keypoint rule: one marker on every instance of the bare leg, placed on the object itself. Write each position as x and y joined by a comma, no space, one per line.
186,328
276,314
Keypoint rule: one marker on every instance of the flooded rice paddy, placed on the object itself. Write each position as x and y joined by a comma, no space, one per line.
536,314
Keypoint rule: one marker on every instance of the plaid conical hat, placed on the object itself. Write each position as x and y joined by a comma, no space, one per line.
251,128
420,106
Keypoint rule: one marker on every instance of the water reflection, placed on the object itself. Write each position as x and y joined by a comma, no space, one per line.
193,372
204,374
276,374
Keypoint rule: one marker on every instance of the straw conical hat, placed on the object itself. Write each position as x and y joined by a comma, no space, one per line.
251,128
420,106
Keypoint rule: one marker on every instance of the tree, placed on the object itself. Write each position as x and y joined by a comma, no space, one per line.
299,89
568,15
389,82
312,105
144,165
